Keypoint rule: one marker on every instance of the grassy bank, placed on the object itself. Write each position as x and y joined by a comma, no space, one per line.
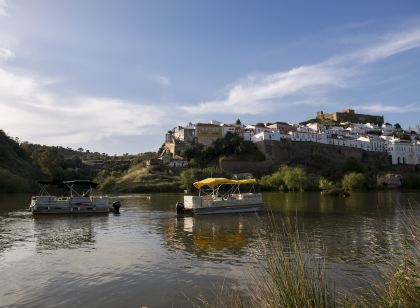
139,179
289,274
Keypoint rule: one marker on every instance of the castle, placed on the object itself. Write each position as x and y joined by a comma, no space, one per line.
348,115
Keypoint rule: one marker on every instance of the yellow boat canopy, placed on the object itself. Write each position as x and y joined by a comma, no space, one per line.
211,182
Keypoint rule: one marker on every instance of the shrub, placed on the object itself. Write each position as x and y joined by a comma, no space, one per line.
273,181
353,181
324,184
287,178
295,179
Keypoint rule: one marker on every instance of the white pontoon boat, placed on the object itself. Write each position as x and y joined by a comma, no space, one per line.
78,202
212,200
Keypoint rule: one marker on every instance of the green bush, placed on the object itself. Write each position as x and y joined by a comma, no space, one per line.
353,181
295,179
324,184
287,178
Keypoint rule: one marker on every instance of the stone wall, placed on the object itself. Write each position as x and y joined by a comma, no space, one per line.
315,157
348,115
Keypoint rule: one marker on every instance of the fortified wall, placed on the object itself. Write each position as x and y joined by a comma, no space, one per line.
348,115
315,157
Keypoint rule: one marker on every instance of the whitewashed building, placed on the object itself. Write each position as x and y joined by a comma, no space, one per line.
178,163
276,136
309,136
316,127
186,134
404,152
387,128
258,129
247,134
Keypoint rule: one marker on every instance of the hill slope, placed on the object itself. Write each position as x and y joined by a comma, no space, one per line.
17,171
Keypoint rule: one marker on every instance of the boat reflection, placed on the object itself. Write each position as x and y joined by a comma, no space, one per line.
66,232
211,237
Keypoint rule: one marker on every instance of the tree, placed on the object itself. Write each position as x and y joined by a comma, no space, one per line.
295,179
353,181
238,122
397,126
287,178
324,184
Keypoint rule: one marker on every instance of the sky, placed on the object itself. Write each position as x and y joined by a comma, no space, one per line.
114,76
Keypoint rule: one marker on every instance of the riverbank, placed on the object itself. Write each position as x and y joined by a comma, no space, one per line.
22,164
187,258
289,274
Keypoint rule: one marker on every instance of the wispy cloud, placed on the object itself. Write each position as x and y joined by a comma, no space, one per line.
391,45
245,96
34,113
3,7
161,80
6,54
381,108
252,94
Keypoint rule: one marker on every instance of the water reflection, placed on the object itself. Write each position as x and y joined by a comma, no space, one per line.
148,251
68,232
207,237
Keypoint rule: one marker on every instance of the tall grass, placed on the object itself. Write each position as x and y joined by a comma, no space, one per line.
286,275
400,285
289,274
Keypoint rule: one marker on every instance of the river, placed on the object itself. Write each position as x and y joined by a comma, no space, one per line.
147,256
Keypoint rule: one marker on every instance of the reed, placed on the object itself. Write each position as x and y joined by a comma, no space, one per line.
290,275
400,283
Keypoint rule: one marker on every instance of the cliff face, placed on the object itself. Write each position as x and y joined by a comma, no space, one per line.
315,157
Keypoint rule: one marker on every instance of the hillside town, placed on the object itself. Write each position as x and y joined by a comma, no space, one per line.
342,129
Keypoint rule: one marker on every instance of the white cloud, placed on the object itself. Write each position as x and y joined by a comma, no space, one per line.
381,108
3,7
33,113
391,45
162,80
6,54
254,94
243,98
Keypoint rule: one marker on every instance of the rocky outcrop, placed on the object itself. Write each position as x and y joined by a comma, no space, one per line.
389,180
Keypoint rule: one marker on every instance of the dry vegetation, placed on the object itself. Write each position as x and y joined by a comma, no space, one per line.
290,275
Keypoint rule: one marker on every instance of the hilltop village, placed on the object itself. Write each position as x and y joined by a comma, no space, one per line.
328,146
345,130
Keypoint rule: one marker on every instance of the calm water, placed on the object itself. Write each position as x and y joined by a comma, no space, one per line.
147,256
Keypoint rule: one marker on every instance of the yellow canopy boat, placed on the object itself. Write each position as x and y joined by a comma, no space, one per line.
212,182
218,201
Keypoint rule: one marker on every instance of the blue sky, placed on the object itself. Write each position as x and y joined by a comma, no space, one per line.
114,76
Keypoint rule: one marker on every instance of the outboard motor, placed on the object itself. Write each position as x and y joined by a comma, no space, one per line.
180,208
116,205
